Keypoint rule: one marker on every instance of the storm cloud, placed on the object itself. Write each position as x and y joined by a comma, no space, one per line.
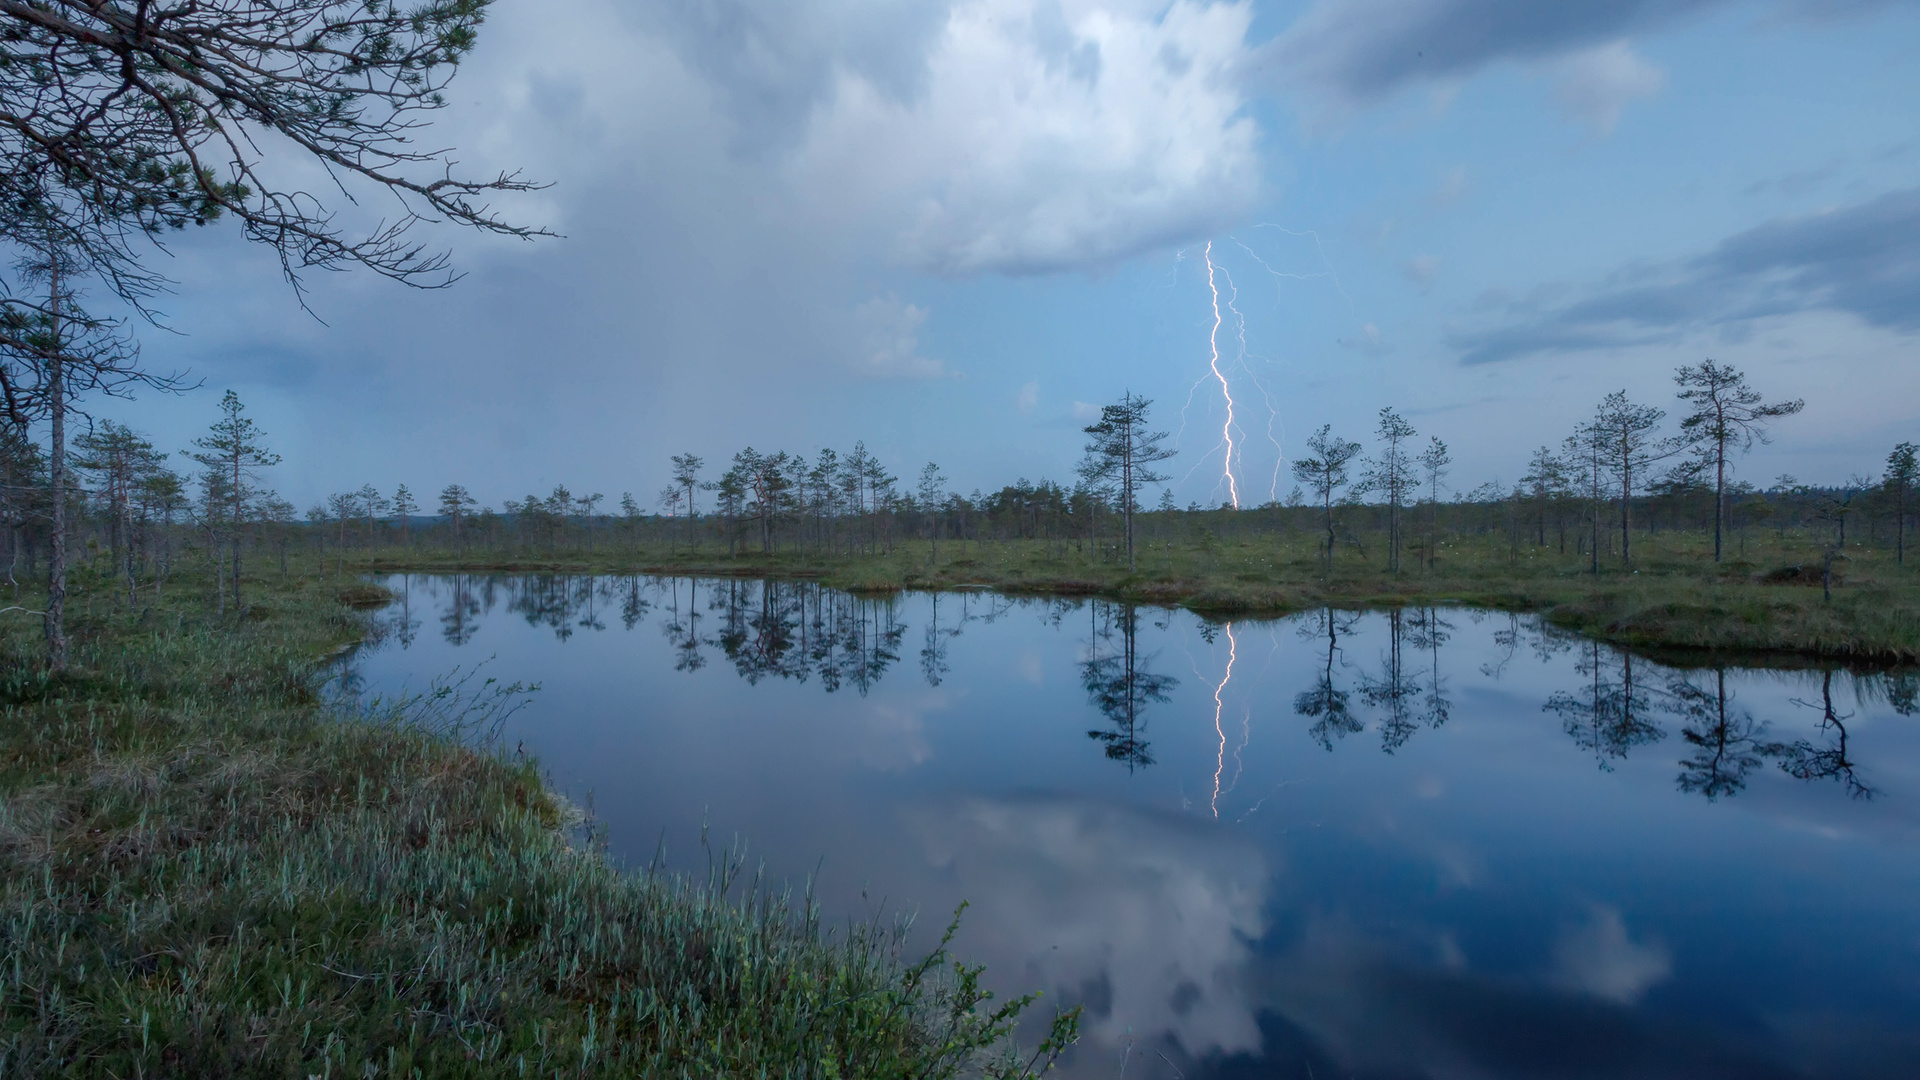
1363,50
1863,260
944,227
1367,49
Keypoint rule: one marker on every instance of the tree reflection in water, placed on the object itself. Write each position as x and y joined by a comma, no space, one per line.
1325,702
801,631
933,654
461,619
405,626
1392,692
633,606
1396,691
1606,718
1427,630
1405,697
1727,742
760,625
1119,684
549,600
682,627
1804,760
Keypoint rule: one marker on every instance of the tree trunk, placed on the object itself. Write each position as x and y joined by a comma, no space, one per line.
1719,493
1593,548
1327,506
237,513
127,556
1626,513
57,483
1900,528
219,575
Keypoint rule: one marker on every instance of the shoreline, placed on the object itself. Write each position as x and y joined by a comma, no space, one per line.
206,869
1870,621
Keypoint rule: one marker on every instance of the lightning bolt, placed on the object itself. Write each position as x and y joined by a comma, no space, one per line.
1324,261
1273,415
1240,331
1220,763
1279,451
1213,345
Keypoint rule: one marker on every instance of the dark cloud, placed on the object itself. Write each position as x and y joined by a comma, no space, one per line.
1367,49
772,65
1863,260
1362,50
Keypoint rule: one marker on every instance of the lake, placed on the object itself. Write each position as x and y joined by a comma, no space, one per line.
1426,842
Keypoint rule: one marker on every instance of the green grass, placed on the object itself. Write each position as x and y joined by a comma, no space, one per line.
206,872
1675,596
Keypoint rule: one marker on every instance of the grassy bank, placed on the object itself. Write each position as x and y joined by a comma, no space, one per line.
1767,598
205,872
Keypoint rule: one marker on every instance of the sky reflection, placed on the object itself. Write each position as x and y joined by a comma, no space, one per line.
1414,843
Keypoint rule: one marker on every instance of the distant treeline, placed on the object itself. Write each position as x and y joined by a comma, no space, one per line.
1084,522
1616,476
1617,473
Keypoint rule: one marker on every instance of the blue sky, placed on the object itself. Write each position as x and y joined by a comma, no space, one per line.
951,229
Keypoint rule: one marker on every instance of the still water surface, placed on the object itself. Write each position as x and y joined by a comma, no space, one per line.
1433,842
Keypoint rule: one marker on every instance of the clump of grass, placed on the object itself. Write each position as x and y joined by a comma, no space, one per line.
365,595
205,871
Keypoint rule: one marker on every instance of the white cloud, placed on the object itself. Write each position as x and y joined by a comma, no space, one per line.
895,731
1595,84
892,342
1028,398
1422,269
1151,921
1601,959
1085,410
1047,137
1372,341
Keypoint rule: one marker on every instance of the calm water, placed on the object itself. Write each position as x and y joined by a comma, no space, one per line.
1439,843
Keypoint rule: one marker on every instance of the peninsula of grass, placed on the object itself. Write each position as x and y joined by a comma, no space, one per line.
206,870
1774,595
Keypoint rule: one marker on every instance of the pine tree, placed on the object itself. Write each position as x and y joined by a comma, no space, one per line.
343,507
51,352
404,507
1391,474
455,505
231,454
1324,471
686,474
932,491
1433,462
1901,478
373,506
1626,438
119,461
630,515
1123,451
1545,481
1727,416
